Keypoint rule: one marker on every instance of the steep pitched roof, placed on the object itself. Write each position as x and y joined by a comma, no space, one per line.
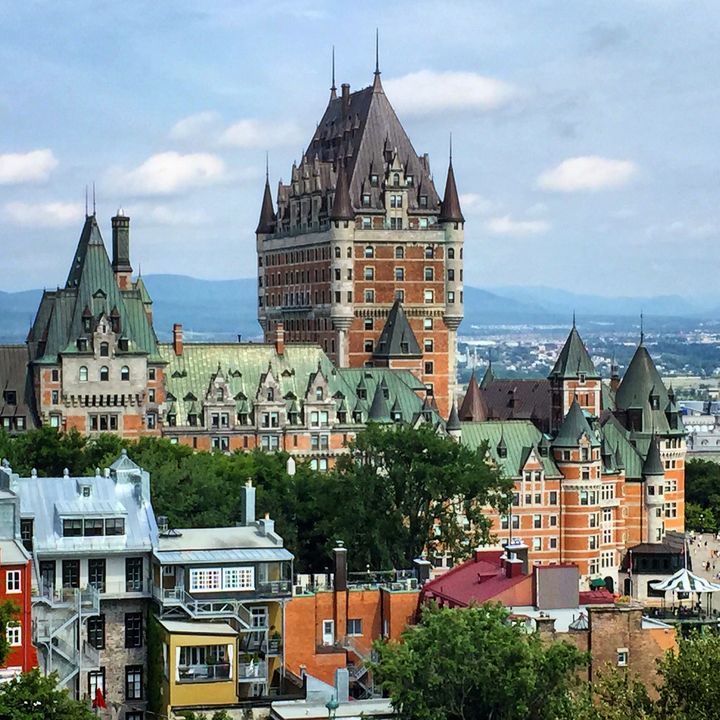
397,338
574,359
519,400
574,426
453,421
653,464
16,376
379,410
266,223
342,208
473,406
488,378
450,206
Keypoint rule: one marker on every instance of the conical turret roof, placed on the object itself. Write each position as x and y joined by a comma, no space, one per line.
453,421
653,465
342,206
574,359
267,221
450,205
378,409
397,338
473,406
488,378
573,428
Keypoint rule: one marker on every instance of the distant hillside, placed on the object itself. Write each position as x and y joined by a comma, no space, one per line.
224,309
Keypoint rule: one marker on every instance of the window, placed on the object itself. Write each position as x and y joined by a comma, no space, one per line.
354,626
83,374
205,579
537,543
427,323
133,630
133,683
428,345
369,273
55,375
104,373
553,520
151,373
583,497
369,252
451,296
239,578
93,527
400,295
368,324
451,275
429,274
451,253
552,543
593,542
399,274
114,526
367,225
12,581
369,296
368,346
55,420
104,349
622,657
10,397
423,201
396,223
366,200
125,373
671,510
96,631
72,528
374,180
96,681
151,421
26,533
71,573
13,633
133,574
399,252
537,521
429,297
96,573
429,252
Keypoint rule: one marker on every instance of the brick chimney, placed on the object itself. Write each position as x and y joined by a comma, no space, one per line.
121,249
178,339
345,96
279,338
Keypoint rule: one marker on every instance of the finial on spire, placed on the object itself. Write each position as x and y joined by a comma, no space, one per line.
377,51
267,166
573,318
93,198
451,148
490,358
333,89
86,201
642,327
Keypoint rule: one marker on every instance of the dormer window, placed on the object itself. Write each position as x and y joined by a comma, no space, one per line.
82,345
409,180
10,397
104,349
123,344
581,378
396,416
502,451
87,323
192,419
396,179
423,201
271,394
366,200
655,402
219,394
357,417
318,393
374,180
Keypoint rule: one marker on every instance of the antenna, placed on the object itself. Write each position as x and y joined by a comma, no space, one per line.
267,166
573,318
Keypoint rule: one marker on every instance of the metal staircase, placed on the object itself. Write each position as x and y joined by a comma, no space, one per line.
359,672
204,609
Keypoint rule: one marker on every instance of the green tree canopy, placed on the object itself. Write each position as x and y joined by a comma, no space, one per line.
459,664
30,696
616,694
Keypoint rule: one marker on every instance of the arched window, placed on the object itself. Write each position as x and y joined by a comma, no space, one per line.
104,373
396,179
429,251
318,393
271,394
104,349
125,373
399,252
451,253
83,374
369,251
219,394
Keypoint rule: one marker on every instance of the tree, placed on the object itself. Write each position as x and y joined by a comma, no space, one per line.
400,491
8,613
30,696
690,690
459,664
614,695
702,488
699,518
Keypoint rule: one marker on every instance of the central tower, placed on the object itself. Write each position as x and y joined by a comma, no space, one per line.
362,255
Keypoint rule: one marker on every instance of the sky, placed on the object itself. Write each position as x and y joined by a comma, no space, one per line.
585,133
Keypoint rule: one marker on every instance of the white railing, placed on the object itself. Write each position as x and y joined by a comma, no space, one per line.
253,670
204,673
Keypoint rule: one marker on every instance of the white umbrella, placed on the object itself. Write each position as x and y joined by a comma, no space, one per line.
683,581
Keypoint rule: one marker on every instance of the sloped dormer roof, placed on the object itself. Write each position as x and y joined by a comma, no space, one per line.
397,338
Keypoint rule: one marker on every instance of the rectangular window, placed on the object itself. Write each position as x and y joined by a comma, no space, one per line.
369,296
12,581
537,521
96,631
26,533
134,574
72,528
354,626
13,633
205,579
96,681
114,526
133,682
71,573
369,273
429,274
427,323
537,543
429,297
96,573
368,346
239,578
133,630
399,274
593,542
429,368
553,521
93,527
428,345
368,323
622,657
552,543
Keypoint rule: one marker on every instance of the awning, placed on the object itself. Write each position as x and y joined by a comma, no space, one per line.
685,581
596,583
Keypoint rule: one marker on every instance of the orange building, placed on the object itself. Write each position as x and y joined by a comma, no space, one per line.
332,621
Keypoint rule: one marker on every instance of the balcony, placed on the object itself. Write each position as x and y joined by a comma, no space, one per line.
203,673
274,588
123,588
253,671
86,601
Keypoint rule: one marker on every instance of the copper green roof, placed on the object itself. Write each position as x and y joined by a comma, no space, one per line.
91,290
627,456
574,426
520,438
453,421
488,378
574,359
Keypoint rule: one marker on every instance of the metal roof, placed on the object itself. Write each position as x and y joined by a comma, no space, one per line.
203,557
198,628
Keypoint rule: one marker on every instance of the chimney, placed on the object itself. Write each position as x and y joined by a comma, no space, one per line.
614,376
342,685
178,339
247,516
266,525
121,250
516,559
340,557
422,569
279,338
345,95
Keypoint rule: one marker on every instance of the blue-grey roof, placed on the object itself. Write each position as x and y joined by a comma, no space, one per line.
203,557
122,492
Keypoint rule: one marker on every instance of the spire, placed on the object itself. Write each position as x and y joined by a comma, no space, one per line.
453,421
342,207
574,359
489,376
266,224
574,426
450,206
333,89
376,75
473,406
378,409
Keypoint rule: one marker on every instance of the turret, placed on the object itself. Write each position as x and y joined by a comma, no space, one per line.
266,226
653,473
453,427
121,250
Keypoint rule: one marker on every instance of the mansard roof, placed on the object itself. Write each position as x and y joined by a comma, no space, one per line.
91,288
574,359
574,426
397,338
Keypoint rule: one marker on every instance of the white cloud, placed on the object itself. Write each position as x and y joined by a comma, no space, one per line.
588,172
166,215
168,173
476,203
428,92
51,214
251,133
33,166
196,127
506,225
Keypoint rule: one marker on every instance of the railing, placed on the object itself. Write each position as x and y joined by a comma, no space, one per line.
87,599
275,587
125,587
203,607
254,670
204,673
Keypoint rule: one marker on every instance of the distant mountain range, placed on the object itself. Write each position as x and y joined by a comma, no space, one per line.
224,309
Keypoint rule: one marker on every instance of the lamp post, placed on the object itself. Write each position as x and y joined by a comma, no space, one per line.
332,705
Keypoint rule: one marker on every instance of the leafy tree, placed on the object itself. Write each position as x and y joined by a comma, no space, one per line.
614,695
702,487
459,664
690,690
30,696
8,613
402,490
699,518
